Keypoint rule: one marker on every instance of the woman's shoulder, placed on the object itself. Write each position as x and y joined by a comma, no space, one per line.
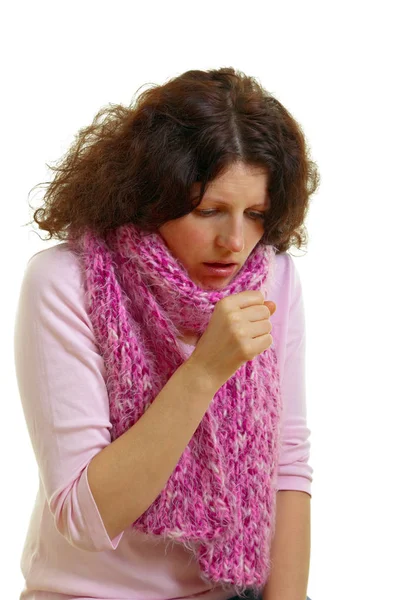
52,295
285,280
54,268
53,281
53,260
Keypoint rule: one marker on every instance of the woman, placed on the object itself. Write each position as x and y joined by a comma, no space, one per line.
167,422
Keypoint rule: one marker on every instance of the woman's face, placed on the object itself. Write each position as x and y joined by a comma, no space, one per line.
230,232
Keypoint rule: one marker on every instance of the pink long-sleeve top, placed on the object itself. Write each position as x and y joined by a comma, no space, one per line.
61,378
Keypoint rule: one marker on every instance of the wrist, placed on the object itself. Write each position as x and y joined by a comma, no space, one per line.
202,376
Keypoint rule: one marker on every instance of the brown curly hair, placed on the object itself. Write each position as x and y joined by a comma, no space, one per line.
138,163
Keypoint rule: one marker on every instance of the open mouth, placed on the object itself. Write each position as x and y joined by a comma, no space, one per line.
220,269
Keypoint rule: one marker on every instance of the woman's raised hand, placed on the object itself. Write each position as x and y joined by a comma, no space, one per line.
238,330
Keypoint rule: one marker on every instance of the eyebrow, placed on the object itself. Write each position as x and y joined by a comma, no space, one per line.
261,204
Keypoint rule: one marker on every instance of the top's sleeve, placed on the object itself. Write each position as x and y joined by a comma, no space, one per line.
294,470
60,376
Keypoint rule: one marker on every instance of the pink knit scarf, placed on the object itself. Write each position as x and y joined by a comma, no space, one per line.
219,501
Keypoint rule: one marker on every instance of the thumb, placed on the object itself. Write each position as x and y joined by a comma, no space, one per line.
271,306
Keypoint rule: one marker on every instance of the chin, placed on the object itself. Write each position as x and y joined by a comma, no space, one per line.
213,285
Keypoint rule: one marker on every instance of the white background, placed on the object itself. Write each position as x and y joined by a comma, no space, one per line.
335,66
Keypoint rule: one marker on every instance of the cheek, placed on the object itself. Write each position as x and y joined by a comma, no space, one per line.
189,244
197,238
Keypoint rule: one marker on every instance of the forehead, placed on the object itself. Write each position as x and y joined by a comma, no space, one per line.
238,173
248,187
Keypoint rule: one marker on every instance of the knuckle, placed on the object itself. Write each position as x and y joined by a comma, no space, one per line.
233,318
240,332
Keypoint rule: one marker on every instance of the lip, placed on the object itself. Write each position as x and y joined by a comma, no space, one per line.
221,262
219,271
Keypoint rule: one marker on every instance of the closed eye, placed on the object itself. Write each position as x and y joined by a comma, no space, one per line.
255,215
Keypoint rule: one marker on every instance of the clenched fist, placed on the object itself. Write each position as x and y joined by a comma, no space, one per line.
239,330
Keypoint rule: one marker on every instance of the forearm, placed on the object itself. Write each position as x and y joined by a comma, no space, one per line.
290,549
128,474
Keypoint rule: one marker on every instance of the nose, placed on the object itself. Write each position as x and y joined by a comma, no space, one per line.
232,238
